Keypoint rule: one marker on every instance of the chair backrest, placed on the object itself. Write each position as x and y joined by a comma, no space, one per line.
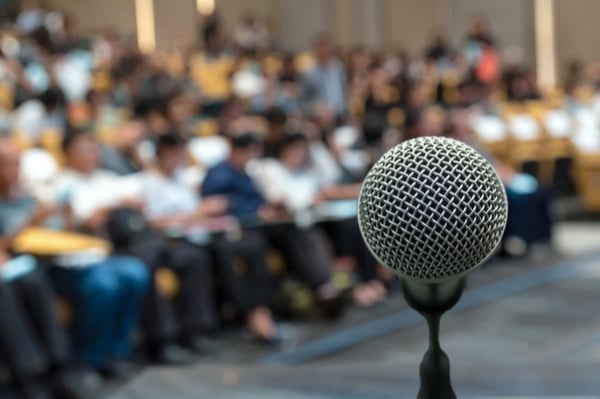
524,127
586,137
558,124
345,137
489,128
39,170
208,151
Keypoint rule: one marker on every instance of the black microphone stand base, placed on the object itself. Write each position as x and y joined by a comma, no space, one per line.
432,300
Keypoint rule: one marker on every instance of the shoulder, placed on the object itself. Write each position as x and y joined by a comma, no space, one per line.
21,202
220,169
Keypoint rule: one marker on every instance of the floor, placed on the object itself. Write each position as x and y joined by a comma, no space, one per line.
526,328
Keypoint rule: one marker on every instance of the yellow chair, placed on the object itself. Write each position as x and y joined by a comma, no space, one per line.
23,142
46,242
101,80
51,141
64,311
212,76
7,95
167,282
272,64
587,179
207,127
304,61
526,140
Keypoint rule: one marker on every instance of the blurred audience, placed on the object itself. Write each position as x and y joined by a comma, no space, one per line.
206,162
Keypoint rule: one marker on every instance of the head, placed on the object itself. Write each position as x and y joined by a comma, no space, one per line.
324,116
323,49
52,99
244,148
478,25
81,151
170,152
129,135
439,39
294,152
427,121
431,122
10,158
276,119
249,19
180,108
418,96
29,5
361,59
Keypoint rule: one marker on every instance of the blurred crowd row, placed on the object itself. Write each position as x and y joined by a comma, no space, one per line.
171,193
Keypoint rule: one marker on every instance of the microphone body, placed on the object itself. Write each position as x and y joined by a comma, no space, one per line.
432,209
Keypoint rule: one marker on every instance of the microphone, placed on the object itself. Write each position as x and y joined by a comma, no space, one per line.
432,209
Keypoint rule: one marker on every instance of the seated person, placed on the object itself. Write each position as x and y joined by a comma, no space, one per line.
32,343
94,196
304,250
106,292
529,217
529,221
293,180
121,155
169,204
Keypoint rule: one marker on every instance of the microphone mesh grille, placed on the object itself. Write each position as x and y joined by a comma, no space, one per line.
432,208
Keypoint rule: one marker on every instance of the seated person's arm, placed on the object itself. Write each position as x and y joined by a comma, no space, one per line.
340,192
4,257
274,213
505,172
99,216
86,214
216,205
97,219
39,214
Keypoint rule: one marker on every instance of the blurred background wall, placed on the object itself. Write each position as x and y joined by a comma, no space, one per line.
408,24
576,26
94,15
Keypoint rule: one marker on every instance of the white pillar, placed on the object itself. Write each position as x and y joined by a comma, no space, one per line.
545,43
205,7
146,34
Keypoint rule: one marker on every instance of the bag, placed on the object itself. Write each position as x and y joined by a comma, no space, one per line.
127,227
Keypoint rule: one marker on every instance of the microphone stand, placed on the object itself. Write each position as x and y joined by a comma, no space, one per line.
432,300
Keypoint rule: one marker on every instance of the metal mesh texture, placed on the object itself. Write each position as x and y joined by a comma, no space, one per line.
432,208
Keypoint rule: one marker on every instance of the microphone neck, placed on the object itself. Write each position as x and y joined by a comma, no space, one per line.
433,298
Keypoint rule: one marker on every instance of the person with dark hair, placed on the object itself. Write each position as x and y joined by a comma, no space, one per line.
127,81
106,291
97,198
381,99
31,340
293,180
121,155
326,81
303,250
438,49
171,206
44,113
276,130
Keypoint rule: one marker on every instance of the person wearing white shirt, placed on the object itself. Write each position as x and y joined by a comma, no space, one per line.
294,181
171,204
94,196
105,291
